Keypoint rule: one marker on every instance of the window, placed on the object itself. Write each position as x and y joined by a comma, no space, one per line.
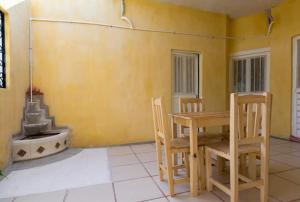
250,72
185,73
2,52
185,76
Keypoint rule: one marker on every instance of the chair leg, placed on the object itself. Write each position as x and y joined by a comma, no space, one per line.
234,181
182,135
252,166
208,169
202,168
264,190
159,159
243,168
220,165
170,172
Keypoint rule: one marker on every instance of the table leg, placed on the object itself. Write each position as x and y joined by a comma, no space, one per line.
221,162
252,166
174,156
194,159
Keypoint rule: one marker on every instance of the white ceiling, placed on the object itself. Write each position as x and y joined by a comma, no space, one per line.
233,8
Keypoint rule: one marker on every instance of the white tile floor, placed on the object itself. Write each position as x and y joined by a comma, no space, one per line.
69,169
134,178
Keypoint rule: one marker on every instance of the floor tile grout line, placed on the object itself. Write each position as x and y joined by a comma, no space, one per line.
136,163
294,154
145,152
274,197
66,195
285,163
113,155
150,175
119,181
152,199
114,191
283,171
216,195
287,180
294,200
285,153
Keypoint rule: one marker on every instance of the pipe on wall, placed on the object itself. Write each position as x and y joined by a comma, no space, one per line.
123,17
137,29
31,20
30,57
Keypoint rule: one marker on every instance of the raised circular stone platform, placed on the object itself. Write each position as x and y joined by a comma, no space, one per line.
39,135
40,145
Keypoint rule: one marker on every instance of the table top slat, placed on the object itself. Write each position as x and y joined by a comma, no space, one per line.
195,115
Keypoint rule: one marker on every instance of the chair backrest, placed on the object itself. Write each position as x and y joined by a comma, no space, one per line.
191,105
250,117
160,119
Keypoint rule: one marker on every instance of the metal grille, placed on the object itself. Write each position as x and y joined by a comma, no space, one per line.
2,52
298,64
250,74
185,73
239,75
257,74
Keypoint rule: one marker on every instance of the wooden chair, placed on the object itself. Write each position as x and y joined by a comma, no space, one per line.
164,141
171,145
197,105
187,105
241,141
190,105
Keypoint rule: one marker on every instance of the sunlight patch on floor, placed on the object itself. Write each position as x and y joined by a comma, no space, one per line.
69,169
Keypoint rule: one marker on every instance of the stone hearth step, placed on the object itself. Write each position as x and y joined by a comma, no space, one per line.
34,128
33,117
33,107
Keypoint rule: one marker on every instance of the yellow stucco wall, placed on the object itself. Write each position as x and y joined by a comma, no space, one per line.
13,97
99,81
252,27
286,26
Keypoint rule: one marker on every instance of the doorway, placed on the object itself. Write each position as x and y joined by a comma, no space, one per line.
296,88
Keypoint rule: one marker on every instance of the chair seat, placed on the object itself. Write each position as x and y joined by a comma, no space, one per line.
223,147
223,134
181,143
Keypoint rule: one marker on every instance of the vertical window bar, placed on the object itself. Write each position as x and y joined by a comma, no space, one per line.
262,73
239,75
249,74
234,75
252,75
260,79
244,76
298,64
256,78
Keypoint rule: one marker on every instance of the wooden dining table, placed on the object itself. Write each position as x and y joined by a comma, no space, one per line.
195,120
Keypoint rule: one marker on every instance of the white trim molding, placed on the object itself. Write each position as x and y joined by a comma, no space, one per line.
295,117
252,52
248,54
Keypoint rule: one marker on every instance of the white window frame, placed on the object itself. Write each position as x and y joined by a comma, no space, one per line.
198,92
246,54
294,87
